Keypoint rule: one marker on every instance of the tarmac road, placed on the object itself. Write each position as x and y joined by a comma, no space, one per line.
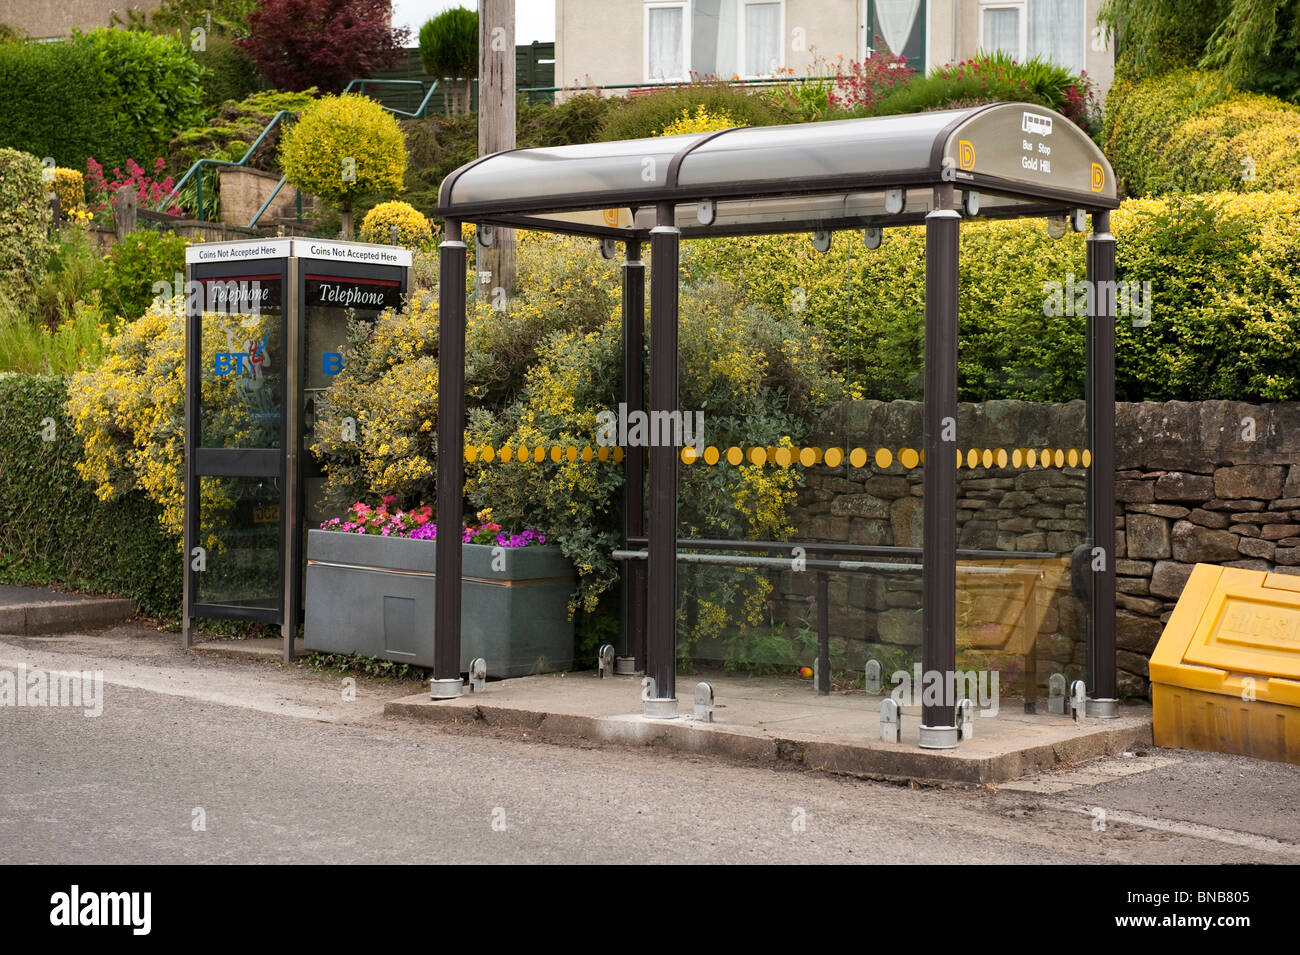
280,768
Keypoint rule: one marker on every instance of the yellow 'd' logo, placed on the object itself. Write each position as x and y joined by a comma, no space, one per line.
1098,177
965,154
611,216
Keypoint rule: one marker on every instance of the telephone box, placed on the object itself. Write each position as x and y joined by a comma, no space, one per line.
265,334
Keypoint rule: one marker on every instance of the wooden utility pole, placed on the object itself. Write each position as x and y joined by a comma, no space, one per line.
496,131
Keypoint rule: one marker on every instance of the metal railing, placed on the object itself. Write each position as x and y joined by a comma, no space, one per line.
420,111
675,84
821,569
195,171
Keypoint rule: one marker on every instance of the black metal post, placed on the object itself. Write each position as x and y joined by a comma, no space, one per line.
823,634
192,432
661,598
451,461
939,560
1101,474
634,572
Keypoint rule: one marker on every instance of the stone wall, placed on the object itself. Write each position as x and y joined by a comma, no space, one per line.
244,190
1215,482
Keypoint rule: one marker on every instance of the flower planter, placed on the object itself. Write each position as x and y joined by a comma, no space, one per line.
374,595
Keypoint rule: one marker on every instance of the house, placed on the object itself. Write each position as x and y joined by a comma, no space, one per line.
43,20
628,42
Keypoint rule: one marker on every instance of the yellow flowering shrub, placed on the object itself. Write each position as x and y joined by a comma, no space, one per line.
129,412
413,229
1189,131
70,187
737,369
701,121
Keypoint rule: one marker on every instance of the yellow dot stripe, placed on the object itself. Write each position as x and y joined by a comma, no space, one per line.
758,456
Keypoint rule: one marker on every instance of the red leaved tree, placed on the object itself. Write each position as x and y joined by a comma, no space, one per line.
324,43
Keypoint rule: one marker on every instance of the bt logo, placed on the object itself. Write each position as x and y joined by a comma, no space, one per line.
241,363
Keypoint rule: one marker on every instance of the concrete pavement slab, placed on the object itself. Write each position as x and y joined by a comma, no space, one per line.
779,721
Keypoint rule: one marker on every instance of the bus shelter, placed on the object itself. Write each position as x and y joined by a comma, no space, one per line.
934,169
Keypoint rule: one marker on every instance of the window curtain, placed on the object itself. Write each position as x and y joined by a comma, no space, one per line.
1057,32
665,43
713,38
762,38
1002,31
896,18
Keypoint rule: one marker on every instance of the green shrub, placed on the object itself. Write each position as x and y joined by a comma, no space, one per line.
1224,322
129,271
232,74
107,93
1222,293
24,224
1187,131
235,128
53,529
30,347
648,114
75,267
579,119
449,52
996,77
439,144
871,305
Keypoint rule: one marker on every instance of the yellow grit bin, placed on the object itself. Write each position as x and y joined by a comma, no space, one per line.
1226,673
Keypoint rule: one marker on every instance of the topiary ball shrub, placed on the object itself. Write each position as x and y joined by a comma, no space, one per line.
343,148
412,227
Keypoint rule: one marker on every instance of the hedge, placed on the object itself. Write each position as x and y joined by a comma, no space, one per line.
1187,131
1223,290
110,94
52,526
24,224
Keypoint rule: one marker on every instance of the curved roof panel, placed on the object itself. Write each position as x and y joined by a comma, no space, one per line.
1033,157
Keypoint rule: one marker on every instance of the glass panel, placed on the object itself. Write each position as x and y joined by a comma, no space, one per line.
1057,32
241,365
762,38
664,38
330,305
628,166
1002,31
239,526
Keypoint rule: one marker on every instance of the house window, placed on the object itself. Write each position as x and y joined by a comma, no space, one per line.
1055,30
666,39
713,38
894,28
1002,29
762,52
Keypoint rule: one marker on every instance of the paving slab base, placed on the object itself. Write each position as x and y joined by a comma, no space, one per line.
778,722
25,612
